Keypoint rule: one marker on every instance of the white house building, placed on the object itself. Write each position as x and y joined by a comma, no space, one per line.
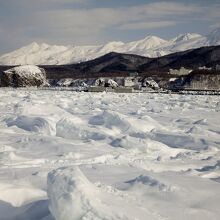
181,72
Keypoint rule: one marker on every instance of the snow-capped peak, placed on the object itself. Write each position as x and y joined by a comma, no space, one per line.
148,42
114,43
33,44
112,46
186,37
154,39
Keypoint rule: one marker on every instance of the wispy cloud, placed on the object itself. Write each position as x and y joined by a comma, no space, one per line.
144,16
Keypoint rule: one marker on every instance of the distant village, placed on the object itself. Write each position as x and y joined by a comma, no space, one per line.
203,78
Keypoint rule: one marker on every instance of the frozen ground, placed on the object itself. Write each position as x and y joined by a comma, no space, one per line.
109,156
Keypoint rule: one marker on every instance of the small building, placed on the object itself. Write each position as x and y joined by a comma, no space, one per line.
205,68
181,72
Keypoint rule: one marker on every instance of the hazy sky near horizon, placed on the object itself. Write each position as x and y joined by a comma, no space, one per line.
86,22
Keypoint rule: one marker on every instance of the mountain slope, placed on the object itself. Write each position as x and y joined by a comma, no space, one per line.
114,62
192,59
118,64
151,46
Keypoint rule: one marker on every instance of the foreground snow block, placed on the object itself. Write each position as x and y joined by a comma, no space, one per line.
72,196
23,76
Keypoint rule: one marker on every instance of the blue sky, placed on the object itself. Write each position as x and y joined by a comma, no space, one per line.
86,22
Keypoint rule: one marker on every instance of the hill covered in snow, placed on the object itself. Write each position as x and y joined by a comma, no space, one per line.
151,46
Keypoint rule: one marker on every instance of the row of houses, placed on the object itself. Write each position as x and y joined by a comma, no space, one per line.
184,71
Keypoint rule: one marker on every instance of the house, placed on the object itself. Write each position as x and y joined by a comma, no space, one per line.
181,72
205,68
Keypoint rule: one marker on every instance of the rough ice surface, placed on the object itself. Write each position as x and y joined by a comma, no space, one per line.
92,156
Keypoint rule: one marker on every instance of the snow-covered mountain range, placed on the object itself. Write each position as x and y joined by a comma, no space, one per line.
151,46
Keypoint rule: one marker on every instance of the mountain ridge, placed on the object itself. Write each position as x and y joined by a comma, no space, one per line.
150,46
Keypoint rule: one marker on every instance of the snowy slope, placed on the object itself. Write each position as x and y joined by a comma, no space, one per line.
97,156
150,46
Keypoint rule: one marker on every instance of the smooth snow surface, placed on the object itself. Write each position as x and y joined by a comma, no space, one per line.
151,46
107,156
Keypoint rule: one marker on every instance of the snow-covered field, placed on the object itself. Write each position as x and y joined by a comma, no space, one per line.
109,156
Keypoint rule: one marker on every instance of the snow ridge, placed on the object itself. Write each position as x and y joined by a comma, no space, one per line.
151,46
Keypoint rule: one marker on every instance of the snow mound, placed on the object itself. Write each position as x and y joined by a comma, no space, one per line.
146,146
33,124
72,196
21,76
148,181
120,123
25,70
100,126
111,120
73,129
20,195
176,140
